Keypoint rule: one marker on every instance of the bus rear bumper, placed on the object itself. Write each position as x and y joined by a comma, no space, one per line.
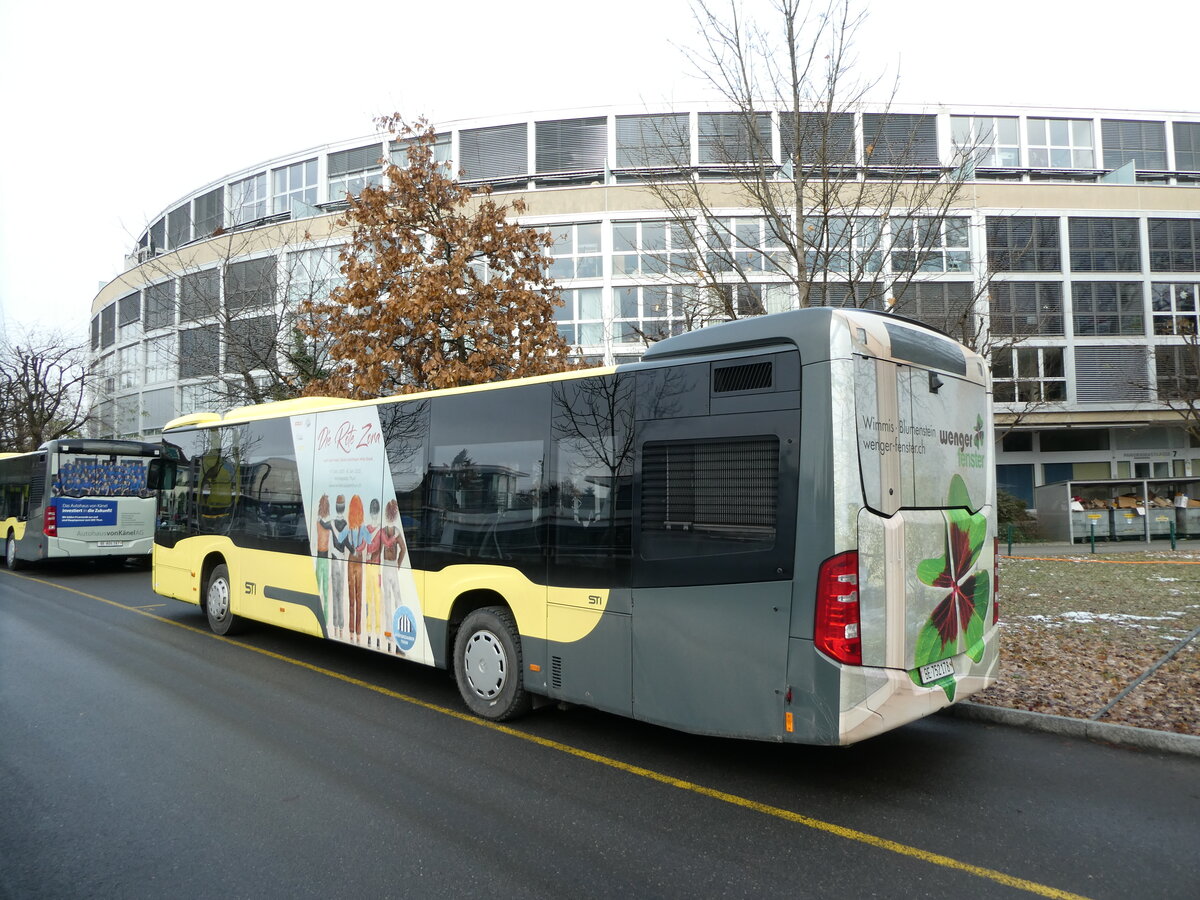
875,700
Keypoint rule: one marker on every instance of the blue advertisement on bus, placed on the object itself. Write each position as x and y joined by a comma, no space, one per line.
78,513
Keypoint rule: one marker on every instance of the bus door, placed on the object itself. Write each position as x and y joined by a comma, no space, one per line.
925,550
714,549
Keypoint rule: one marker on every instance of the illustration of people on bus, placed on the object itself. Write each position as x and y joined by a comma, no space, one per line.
323,532
393,551
339,554
373,625
356,541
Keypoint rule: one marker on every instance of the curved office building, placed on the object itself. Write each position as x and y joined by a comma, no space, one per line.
1074,241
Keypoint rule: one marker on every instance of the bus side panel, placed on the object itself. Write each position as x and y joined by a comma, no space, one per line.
596,670
710,659
175,570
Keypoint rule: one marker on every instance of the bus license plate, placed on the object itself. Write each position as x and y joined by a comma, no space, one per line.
110,543
934,671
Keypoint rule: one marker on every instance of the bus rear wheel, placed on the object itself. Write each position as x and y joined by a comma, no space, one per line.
217,596
10,554
487,665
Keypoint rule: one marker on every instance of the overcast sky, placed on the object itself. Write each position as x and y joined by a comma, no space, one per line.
115,110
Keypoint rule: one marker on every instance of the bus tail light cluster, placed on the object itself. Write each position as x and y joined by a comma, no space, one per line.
50,521
836,630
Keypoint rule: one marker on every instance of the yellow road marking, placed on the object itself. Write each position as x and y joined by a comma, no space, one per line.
786,815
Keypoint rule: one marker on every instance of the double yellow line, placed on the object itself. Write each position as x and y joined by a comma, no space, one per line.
786,815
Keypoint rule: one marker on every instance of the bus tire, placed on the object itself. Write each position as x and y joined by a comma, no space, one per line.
218,593
487,665
10,554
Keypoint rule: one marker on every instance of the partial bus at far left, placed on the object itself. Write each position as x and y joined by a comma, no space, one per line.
77,499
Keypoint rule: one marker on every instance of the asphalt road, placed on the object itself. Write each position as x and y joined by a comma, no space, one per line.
141,756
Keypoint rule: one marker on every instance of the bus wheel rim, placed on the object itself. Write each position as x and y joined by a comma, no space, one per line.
218,599
486,664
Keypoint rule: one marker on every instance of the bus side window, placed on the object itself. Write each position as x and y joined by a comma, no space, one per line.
405,428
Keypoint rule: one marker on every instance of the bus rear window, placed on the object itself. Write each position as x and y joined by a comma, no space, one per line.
701,498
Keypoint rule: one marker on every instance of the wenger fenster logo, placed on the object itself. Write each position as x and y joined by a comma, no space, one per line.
968,443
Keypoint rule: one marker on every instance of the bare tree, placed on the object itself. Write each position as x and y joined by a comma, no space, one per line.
840,224
43,380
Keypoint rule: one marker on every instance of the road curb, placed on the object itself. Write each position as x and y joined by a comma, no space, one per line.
1106,732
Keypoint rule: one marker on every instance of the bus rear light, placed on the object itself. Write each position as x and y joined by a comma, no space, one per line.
50,522
836,630
996,584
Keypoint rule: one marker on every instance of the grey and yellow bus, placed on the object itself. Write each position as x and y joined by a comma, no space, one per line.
778,528
77,499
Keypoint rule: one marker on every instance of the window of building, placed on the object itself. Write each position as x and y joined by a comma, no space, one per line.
1175,245
248,199
128,366
1177,372
129,316
898,139
208,212
250,344
571,145
1026,307
179,226
647,313
1023,244
842,244
128,420
199,351
861,294
199,295
204,397
95,332
350,171
1016,480
1173,308
1029,375
931,244
581,317
160,359
160,305
312,274
817,138
1104,245
652,248
443,153
158,236
494,154
108,325
296,183
1108,307
250,285
948,306
1187,146
733,138
1017,442
989,141
745,244
1060,143
654,141
1142,143
576,251
737,301
1109,375
1074,440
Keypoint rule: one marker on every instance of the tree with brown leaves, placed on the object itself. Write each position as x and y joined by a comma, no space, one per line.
442,287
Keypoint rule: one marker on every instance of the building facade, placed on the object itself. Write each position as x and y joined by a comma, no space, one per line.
1072,244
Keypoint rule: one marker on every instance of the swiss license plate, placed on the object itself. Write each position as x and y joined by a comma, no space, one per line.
934,671
110,543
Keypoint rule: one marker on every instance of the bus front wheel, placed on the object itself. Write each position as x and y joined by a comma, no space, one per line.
217,595
10,554
487,665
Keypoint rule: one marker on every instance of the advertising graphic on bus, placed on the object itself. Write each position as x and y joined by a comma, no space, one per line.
77,499
780,528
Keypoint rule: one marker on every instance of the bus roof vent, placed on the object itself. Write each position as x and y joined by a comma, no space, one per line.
746,377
